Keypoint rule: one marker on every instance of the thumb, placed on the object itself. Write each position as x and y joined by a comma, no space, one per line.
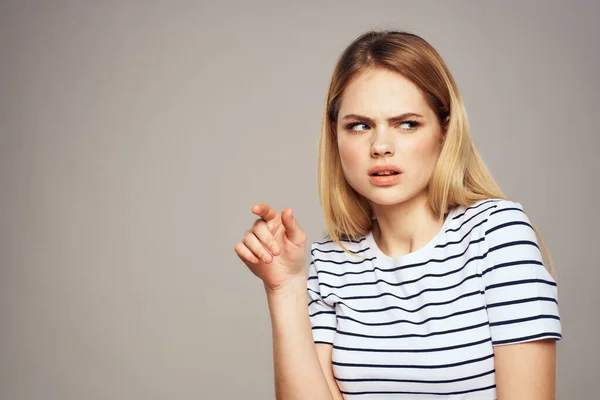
292,229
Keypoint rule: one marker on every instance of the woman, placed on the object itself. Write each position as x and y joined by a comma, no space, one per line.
430,283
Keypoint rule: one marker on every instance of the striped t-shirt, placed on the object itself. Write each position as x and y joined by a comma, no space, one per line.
423,325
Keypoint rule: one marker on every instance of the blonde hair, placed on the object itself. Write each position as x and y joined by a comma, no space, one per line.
460,176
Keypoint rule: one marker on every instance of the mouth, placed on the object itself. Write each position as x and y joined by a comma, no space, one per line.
384,170
385,178
386,173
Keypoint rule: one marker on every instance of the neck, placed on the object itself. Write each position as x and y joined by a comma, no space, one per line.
405,227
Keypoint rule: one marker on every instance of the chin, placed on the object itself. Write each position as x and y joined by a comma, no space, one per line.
387,196
390,201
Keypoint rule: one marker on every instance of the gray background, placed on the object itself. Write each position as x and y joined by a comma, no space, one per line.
135,138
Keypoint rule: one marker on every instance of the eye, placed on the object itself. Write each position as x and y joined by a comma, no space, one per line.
412,125
351,126
408,125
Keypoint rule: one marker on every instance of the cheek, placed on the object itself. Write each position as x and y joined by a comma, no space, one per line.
422,154
350,154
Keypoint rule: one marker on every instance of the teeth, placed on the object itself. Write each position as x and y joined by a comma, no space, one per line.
384,173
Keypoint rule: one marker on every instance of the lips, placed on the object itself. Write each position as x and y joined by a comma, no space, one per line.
392,169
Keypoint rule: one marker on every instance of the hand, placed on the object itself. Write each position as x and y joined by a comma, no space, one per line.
275,248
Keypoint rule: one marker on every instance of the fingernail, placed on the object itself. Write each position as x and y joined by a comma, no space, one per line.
275,249
266,258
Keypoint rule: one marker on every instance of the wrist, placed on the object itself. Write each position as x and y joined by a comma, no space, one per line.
293,285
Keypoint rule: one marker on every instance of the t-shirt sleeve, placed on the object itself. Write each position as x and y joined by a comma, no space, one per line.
322,314
520,294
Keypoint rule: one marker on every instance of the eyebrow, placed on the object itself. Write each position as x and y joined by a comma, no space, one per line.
391,120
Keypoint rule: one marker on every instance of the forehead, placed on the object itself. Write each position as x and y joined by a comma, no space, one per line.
382,93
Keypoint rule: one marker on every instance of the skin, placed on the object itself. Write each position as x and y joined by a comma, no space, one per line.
526,370
404,221
274,248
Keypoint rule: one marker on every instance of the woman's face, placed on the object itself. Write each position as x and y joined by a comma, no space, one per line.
370,135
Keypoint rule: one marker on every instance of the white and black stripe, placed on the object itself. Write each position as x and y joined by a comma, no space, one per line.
424,325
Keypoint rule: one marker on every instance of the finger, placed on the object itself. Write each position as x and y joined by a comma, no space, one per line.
244,253
256,247
292,229
263,233
265,211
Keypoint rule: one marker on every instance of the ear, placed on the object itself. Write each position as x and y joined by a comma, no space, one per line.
444,129
445,125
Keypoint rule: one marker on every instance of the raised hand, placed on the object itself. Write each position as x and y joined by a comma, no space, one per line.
275,248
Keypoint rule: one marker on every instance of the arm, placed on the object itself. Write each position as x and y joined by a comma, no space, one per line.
522,304
279,241
324,352
526,370
298,372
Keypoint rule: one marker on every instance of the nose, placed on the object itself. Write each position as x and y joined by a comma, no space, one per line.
382,146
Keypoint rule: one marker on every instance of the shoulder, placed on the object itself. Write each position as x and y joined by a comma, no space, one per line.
506,210
497,221
506,221
327,251
484,209
488,213
509,236
520,293
326,243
